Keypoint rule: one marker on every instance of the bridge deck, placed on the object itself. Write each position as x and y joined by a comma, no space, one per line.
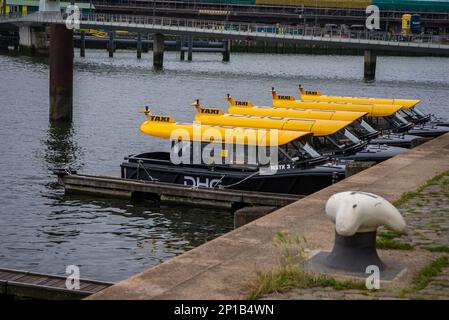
241,31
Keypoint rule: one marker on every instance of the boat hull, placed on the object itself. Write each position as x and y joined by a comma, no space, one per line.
377,153
430,131
441,123
396,140
301,181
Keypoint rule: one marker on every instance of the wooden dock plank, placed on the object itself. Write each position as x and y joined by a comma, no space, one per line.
169,192
44,286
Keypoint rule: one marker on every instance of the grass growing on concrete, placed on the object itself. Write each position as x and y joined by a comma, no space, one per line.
388,244
385,240
442,179
291,273
444,249
405,198
430,271
425,275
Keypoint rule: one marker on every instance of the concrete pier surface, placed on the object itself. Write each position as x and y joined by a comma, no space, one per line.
224,267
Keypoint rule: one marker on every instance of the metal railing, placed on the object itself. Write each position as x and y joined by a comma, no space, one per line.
268,29
233,28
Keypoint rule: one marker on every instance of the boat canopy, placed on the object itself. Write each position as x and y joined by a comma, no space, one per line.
293,113
373,110
317,126
318,96
165,127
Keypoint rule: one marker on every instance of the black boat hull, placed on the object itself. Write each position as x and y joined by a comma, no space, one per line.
440,123
301,181
396,140
430,131
377,153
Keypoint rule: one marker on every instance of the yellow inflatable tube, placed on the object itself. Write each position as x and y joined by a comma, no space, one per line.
247,107
213,116
165,127
373,110
317,96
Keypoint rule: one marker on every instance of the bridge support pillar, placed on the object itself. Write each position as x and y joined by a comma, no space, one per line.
139,45
111,44
146,44
182,53
33,40
370,65
226,51
190,48
61,73
158,51
83,44
16,41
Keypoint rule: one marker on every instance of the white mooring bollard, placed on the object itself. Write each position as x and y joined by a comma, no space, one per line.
354,211
357,215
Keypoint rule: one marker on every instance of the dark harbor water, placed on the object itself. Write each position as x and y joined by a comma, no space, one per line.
42,230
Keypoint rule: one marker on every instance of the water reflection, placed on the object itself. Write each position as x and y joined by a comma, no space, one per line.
145,221
61,147
111,239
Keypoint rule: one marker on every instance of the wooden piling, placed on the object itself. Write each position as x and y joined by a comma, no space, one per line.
61,73
158,51
181,51
226,51
139,45
370,65
111,44
83,44
190,49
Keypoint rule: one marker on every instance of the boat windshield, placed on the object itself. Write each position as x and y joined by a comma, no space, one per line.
343,139
417,111
397,120
409,115
414,115
337,142
361,128
299,151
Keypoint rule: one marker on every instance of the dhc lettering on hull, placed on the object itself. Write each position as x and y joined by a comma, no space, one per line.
199,182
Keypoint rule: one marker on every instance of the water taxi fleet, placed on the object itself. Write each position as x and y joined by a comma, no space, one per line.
294,146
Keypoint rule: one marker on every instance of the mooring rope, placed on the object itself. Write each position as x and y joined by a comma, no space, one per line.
143,167
238,182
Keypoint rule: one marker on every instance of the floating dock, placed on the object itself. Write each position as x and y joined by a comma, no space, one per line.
29,285
171,193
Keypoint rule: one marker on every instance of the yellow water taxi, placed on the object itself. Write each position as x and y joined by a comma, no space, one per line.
409,111
209,156
381,117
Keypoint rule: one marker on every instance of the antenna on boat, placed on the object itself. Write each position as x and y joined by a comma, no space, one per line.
196,103
146,111
230,99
